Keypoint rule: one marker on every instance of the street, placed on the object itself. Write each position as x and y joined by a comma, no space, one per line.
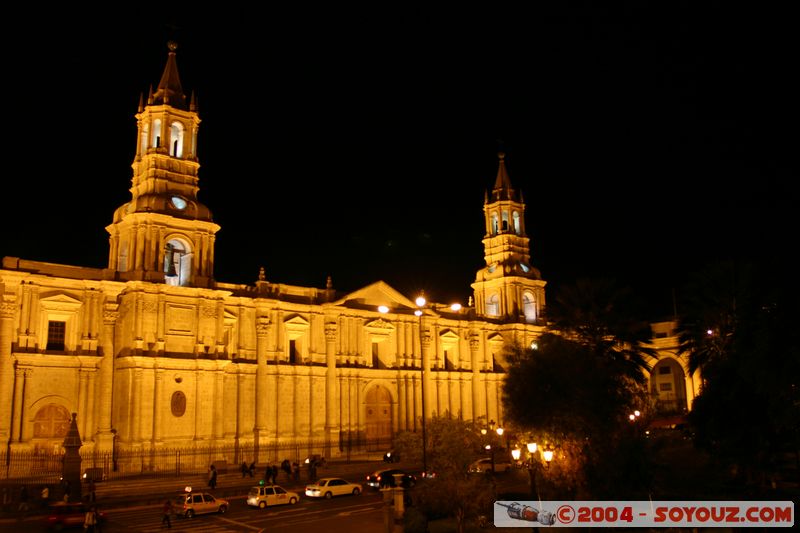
344,514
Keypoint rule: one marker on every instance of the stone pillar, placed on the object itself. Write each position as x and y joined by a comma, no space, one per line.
105,438
8,310
158,407
474,345
83,393
21,375
401,404
331,396
262,391
91,427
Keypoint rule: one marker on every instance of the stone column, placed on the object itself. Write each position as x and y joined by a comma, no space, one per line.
158,407
262,391
331,397
83,393
401,404
105,439
19,399
474,345
91,425
8,310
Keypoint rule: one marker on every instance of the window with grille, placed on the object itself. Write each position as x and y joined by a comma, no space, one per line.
56,334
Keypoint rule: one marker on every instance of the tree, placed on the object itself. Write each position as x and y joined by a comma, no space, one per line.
581,383
563,393
738,325
452,445
602,316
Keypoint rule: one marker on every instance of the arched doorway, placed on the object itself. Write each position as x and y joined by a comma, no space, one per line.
50,426
378,419
668,387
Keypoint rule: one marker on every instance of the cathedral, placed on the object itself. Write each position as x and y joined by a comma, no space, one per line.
153,352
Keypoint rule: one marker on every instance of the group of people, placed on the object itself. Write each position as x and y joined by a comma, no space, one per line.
292,471
248,469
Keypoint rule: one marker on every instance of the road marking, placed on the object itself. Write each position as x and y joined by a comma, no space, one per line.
242,524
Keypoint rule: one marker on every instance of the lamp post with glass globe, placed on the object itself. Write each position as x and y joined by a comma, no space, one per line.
424,343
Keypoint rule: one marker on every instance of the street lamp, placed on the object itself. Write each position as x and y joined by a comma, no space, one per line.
490,446
420,301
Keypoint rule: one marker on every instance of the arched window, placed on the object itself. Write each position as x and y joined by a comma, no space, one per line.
122,265
517,223
177,262
51,422
156,142
176,137
495,224
529,307
505,220
145,135
493,305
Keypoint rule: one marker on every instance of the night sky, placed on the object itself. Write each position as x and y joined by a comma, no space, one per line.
647,139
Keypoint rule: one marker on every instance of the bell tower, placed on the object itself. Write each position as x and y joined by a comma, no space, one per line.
164,234
508,287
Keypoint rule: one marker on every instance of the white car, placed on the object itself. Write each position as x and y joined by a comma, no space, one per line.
189,504
485,465
269,495
328,487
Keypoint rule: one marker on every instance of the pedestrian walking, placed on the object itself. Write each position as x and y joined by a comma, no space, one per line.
45,494
296,471
244,468
166,514
23,499
212,478
92,488
252,469
65,485
275,474
90,520
286,466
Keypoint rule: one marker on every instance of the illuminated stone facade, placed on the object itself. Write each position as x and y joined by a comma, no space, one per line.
155,352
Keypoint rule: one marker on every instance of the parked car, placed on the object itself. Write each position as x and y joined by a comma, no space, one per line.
328,487
94,473
385,478
269,495
189,504
62,515
485,465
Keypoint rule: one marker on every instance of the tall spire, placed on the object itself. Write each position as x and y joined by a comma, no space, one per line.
169,90
502,185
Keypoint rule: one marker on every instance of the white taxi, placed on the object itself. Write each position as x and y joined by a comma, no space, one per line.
328,487
269,495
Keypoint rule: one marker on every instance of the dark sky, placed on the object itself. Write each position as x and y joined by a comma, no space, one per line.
647,138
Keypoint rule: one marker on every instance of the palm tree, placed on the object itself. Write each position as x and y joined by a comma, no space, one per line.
600,315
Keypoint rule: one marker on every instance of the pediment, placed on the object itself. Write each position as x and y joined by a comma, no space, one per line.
379,323
495,339
448,335
374,295
59,300
296,320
